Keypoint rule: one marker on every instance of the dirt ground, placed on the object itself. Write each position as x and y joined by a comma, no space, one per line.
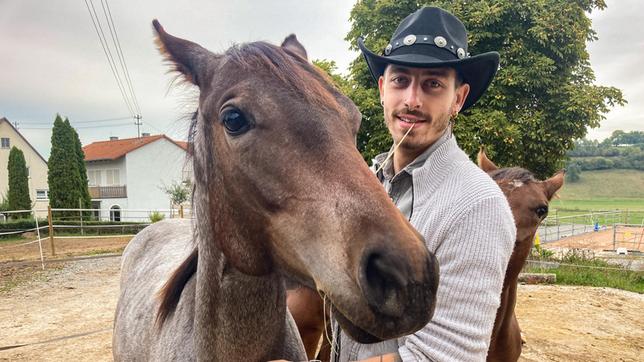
602,240
66,312
28,251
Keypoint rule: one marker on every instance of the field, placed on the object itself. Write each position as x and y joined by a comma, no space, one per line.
603,190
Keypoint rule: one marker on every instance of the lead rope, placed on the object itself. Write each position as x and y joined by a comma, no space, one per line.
391,153
326,331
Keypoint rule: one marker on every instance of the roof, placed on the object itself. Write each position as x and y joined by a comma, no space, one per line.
112,150
3,119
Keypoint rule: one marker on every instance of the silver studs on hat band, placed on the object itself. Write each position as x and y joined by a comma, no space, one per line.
438,41
409,39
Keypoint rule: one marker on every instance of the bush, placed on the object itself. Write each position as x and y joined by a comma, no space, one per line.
156,216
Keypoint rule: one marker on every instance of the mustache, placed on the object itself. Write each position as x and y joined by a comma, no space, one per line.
412,112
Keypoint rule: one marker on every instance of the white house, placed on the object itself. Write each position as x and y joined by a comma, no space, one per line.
36,166
130,174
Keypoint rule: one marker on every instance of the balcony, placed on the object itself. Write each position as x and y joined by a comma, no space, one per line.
107,192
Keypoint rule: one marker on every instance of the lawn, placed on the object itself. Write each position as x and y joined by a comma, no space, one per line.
603,190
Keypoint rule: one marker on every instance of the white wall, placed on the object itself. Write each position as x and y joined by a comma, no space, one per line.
37,167
151,167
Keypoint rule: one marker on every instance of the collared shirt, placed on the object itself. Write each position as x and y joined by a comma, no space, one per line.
400,186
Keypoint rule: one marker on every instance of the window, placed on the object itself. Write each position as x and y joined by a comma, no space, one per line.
112,177
94,177
4,142
42,194
115,213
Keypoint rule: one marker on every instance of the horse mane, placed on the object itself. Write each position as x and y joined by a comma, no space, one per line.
170,293
514,174
286,66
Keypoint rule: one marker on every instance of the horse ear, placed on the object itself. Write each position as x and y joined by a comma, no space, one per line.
554,183
484,163
291,43
188,58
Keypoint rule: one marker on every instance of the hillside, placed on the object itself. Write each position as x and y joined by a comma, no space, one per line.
614,183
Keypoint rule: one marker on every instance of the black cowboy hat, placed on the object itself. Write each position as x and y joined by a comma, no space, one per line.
430,38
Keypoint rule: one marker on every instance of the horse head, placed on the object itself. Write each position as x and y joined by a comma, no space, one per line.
281,188
528,199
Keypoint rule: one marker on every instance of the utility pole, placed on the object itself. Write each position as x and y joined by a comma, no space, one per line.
138,123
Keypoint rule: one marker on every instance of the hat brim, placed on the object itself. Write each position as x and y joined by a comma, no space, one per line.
477,71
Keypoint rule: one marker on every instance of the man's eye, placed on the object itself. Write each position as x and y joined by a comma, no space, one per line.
399,80
434,84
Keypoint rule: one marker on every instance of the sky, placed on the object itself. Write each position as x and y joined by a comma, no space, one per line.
51,60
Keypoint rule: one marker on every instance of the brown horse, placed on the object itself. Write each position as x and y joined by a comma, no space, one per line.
280,191
528,199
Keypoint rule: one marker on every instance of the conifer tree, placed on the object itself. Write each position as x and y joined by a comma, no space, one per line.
18,194
63,175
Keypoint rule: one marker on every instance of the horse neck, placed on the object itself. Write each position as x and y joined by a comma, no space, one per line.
237,316
509,292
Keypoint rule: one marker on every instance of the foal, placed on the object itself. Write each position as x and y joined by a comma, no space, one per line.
280,189
528,199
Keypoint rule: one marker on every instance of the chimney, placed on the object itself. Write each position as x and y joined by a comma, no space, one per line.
145,134
113,138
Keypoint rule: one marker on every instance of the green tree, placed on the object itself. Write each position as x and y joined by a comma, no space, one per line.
67,176
18,194
573,172
82,182
543,97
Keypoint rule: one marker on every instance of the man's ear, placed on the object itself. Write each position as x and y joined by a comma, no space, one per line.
188,58
294,46
461,95
484,163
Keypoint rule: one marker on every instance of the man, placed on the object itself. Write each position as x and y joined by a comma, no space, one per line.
426,77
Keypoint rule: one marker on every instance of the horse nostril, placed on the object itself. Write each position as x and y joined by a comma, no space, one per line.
384,284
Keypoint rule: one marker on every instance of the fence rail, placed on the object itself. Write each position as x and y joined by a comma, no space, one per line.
79,223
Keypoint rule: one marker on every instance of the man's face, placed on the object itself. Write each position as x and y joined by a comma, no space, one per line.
422,97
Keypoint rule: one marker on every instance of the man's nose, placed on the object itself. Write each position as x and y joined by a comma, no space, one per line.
412,98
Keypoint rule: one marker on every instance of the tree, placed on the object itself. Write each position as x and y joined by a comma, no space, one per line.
178,192
573,172
82,182
67,176
543,97
18,194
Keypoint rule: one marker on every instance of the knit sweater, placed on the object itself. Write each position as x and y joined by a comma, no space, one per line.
468,225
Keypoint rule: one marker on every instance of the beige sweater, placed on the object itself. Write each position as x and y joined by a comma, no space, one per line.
468,225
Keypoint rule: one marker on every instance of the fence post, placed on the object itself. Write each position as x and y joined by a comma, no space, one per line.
51,231
180,211
615,237
557,221
80,211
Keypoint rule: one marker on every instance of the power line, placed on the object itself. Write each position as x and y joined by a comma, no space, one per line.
108,53
119,52
83,127
40,123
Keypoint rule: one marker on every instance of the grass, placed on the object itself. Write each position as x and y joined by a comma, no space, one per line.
586,270
606,185
603,190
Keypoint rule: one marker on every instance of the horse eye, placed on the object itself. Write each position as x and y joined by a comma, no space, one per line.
235,122
542,211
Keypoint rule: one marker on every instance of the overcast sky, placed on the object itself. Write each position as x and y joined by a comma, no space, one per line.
51,60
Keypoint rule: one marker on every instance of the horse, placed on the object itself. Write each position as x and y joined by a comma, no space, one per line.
280,193
528,199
